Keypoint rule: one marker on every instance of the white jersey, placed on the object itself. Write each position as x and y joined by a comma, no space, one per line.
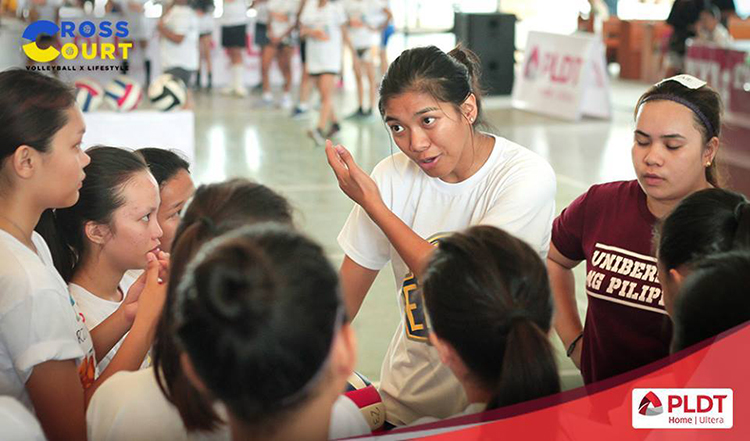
117,412
18,424
369,13
514,190
182,20
324,56
235,13
134,14
282,14
95,310
38,318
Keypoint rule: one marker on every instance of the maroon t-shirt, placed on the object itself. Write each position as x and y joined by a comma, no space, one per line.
610,227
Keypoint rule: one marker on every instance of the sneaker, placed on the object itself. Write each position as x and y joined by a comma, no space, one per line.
317,136
285,102
300,112
266,98
356,115
335,128
240,92
367,113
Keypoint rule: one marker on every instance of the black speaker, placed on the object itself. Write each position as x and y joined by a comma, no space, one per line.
492,37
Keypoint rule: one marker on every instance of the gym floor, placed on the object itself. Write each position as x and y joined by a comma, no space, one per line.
237,138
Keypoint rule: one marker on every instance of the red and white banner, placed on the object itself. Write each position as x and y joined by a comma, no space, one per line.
563,76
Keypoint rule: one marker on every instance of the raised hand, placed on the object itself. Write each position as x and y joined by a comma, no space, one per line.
353,181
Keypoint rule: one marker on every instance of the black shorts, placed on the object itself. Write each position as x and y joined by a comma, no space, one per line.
302,46
234,36
185,75
261,35
323,73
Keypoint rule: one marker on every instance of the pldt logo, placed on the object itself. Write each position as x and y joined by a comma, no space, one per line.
655,403
685,408
67,29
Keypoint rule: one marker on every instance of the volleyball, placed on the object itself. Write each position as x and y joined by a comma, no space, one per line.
89,94
167,93
123,94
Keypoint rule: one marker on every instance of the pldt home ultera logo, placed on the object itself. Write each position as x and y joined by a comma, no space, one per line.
683,408
70,51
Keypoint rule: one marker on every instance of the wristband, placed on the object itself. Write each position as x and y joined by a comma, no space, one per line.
572,346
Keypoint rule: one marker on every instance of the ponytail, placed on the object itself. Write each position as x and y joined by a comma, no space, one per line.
54,235
487,294
529,369
742,235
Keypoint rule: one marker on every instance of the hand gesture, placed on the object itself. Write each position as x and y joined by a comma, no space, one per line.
354,182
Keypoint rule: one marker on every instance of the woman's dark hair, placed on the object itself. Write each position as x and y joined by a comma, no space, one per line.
214,209
706,222
706,100
101,194
488,295
448,78
164,164
713,299
32,110
257,313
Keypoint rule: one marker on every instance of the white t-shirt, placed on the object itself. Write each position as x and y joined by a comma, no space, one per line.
138,28
471,409
370,13
324,56
235,13
95,310
17,423
286,8
117,412
182,20
38,318
514,190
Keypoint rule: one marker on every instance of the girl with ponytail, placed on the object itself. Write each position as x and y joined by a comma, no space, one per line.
449,175
489,305
707,222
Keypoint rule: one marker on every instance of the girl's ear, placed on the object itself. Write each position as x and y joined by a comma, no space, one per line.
96,232
469,108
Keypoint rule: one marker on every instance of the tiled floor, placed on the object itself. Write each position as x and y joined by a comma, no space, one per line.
234,137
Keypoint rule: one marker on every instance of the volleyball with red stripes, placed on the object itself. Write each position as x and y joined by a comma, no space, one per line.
89,94
123,94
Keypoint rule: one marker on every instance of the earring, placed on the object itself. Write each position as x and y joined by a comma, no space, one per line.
708,164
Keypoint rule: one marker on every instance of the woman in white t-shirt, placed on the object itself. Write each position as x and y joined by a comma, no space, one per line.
281,33
47,355
501,354
176,410
109,231
322,23
234,40
366,19
448,176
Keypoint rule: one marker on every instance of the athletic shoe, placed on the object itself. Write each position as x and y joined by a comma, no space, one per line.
266,100
335,128
299,113
240,92
356,115
285,102
317,136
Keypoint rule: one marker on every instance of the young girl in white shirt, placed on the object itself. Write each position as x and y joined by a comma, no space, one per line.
47,355
110,230
448,176
489,305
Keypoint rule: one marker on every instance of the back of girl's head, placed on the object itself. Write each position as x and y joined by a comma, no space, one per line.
448,78
164,164
706,222
32,110
713,299
215,209
487,294
257,312
107,174
703,100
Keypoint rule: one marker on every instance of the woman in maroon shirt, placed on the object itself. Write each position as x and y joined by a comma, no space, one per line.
610,226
